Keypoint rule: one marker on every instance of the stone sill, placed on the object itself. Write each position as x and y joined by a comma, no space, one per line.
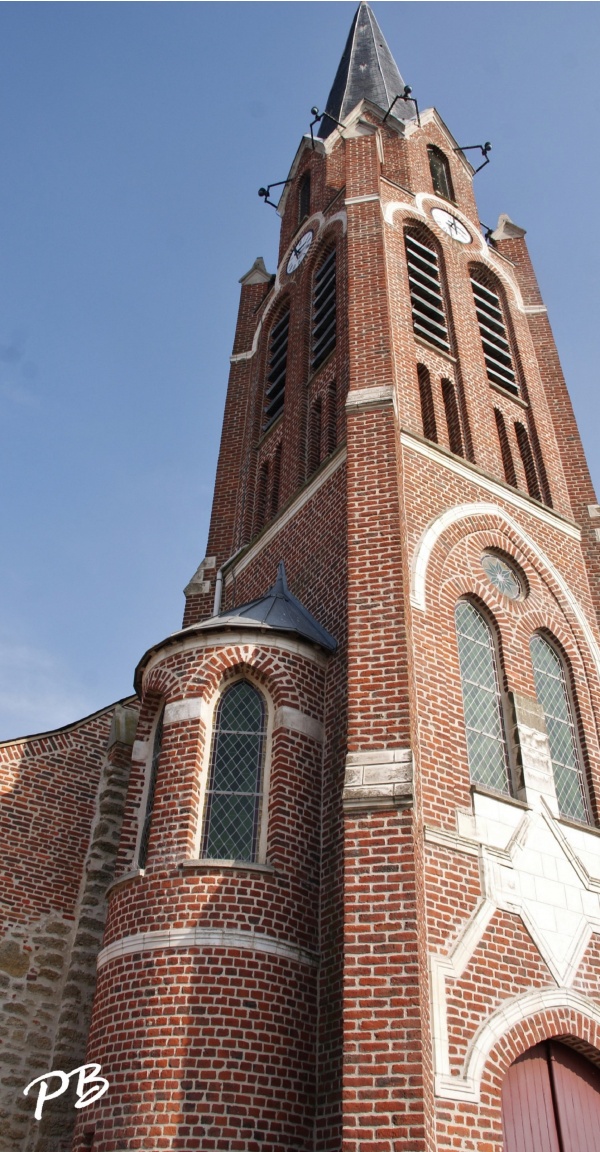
208,865
433,348
580,825
508,394
133,875
504,796
354,805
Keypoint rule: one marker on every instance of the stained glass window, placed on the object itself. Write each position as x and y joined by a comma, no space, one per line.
551,690
486,740
501,575
235,786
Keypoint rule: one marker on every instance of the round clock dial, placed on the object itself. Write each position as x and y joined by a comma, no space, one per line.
299,251
451,226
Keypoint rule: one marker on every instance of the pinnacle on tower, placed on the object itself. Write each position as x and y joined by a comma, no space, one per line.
367,71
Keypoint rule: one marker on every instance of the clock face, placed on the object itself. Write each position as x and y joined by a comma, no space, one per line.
299,252
451,226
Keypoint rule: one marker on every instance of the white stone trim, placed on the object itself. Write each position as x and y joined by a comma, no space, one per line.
431,535
535,309
139,751
442,968
362,199
469,472
482,251
298,721
531,867
250,640
378,779
467,1086
172,938
292,510
240,356
193,708
369,397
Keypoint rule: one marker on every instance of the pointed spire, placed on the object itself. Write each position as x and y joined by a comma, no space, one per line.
366,71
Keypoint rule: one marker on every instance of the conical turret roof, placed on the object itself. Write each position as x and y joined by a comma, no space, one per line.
367,71
279,610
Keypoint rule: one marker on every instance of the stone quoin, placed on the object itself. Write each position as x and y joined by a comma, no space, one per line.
330,880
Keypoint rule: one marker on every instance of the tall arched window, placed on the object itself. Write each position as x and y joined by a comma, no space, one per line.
427,405
440,172
455,438
156,750
552,693
484,721
507,460
233,802
531,476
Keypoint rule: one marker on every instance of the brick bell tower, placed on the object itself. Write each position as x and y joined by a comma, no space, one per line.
358,894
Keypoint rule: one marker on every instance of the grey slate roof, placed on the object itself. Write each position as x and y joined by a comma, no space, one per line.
278,610
366,71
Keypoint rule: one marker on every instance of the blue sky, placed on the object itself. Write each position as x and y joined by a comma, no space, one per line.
134,139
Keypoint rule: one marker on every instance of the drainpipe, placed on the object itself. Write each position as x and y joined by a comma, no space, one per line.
219,581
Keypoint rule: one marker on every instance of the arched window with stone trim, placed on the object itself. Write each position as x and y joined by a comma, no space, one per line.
487,745
235,784
553,693
439,166
149,804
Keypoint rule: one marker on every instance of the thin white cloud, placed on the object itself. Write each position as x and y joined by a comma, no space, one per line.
37,693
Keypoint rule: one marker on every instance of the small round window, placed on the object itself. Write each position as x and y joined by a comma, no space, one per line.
502,575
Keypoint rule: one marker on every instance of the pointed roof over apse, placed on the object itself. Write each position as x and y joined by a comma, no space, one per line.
279,611
367,71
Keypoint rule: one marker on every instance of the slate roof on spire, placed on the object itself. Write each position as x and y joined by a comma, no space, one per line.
279,610
366,71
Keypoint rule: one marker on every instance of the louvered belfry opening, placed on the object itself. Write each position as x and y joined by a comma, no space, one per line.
324,311
427,301
278,354
494,337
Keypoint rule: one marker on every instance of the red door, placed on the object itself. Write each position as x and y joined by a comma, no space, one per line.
551,1102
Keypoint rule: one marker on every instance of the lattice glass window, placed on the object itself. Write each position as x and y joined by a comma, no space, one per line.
427,302
551,690
486,740
234,795
156,750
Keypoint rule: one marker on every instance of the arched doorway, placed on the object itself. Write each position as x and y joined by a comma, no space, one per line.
551,1102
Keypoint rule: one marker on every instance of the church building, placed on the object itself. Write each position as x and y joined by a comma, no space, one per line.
330,880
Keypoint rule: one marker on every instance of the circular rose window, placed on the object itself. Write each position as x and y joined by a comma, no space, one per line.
502,575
